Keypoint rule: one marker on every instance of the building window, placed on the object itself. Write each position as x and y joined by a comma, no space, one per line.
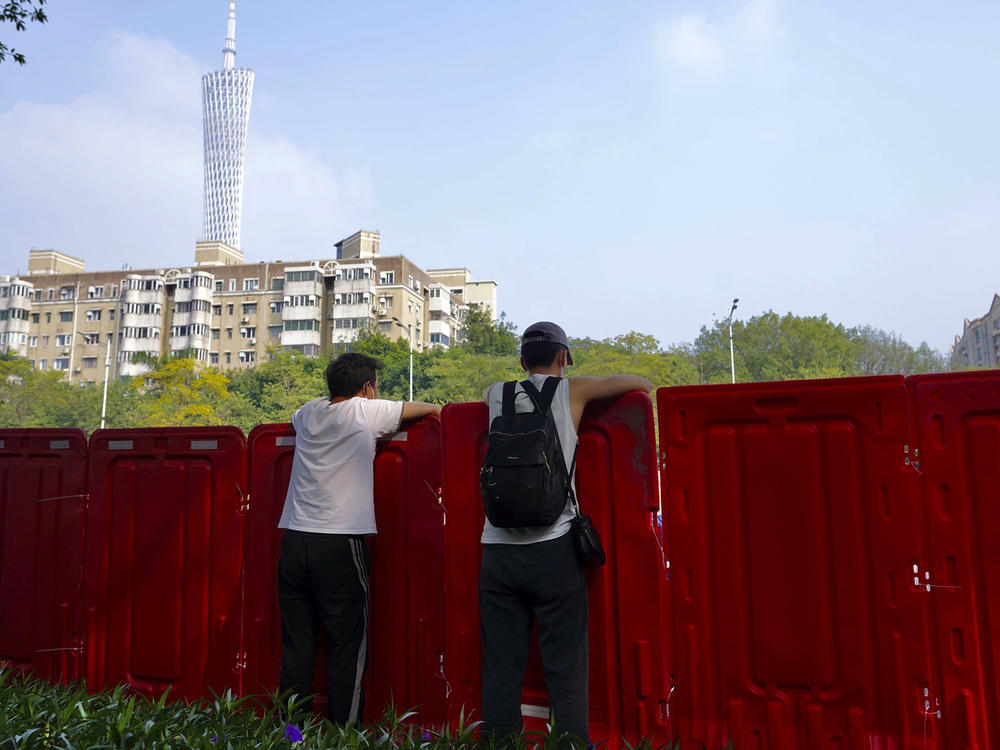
42,364
60,363
229,358
65,316
34,317
384,326
278,283
63,339
93,315
409,281
91,338
440,338
216,309
247,356
213,358
33,342
218,286
232,285
249,308
111,314
67,292
251,285
229,333
215,333
248,332
301,300
300,276
387,277
229,309
89,362
45,340
274,331
276,305
301,325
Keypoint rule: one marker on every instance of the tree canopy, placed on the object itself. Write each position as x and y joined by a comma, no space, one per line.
20,13
182,391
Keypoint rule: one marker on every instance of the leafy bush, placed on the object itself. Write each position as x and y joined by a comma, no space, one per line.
36,714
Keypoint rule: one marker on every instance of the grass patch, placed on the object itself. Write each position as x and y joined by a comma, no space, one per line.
37,714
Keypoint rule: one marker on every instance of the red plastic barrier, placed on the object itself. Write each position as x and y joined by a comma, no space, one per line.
616,477
163,559
43,477
406,614
791,526
956,443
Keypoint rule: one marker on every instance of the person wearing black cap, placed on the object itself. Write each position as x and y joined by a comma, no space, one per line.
532,572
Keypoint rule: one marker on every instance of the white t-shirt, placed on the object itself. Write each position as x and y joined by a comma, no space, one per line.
567,440
333,473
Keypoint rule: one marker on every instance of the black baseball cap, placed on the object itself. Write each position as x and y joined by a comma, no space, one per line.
547,332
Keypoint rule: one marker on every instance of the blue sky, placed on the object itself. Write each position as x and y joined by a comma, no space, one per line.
615,166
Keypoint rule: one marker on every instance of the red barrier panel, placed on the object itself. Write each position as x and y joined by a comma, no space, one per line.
791,526
43,477
956,444
406,614
617,484
163,559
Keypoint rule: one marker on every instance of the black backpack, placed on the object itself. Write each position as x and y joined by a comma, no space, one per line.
524,479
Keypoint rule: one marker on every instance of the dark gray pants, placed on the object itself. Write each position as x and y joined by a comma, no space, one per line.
518,582
323,582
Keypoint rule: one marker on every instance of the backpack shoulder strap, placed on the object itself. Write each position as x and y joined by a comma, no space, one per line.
507,405
543,400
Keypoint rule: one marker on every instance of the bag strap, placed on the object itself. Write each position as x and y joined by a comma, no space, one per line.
543,402
507,404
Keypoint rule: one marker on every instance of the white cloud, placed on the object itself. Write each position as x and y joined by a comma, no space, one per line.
689,41
697,43
115,175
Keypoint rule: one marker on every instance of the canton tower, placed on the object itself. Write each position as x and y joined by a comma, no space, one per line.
225,98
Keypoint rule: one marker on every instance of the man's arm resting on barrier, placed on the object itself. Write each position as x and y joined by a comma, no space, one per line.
583,389
418,409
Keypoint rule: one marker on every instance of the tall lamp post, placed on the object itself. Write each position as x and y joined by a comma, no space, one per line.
732,355
409,338
107,369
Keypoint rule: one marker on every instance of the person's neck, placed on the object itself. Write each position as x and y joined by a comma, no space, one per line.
339,399
550,370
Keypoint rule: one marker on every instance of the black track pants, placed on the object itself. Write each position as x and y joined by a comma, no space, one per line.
517,582
323,581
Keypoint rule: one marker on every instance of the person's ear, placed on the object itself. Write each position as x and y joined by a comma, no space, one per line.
523,366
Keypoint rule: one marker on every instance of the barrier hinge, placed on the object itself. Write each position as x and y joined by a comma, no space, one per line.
914,461
244,506
239,660
663,460
930,706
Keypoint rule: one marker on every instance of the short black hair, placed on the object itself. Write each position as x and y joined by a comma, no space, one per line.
348,373
540,353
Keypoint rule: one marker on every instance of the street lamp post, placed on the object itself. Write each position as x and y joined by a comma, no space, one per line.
107,369
732,355
409,338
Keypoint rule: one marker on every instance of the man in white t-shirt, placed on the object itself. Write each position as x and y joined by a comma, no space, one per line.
329,509
532,573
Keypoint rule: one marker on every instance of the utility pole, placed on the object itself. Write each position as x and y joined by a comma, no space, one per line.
732,355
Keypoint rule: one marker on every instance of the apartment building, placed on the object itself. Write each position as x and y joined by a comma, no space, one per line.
979,344
225,312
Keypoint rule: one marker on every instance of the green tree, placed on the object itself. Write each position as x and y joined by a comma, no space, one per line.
20,13
773,347
181,392
482,335
279,385
879,352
